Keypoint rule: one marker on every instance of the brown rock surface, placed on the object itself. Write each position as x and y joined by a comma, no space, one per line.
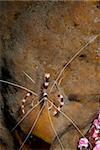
40,37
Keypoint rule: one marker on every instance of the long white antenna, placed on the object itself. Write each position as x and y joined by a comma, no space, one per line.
19,86
78,52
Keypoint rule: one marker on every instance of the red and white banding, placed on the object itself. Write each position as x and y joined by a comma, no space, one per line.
45,85
23,102
61,100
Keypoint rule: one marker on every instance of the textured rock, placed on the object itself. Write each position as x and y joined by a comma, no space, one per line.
41,37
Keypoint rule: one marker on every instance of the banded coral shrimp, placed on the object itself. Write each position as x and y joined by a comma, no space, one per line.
48,100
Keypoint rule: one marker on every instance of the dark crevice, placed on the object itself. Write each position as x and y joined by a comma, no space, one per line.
10,122
8,119
37,143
